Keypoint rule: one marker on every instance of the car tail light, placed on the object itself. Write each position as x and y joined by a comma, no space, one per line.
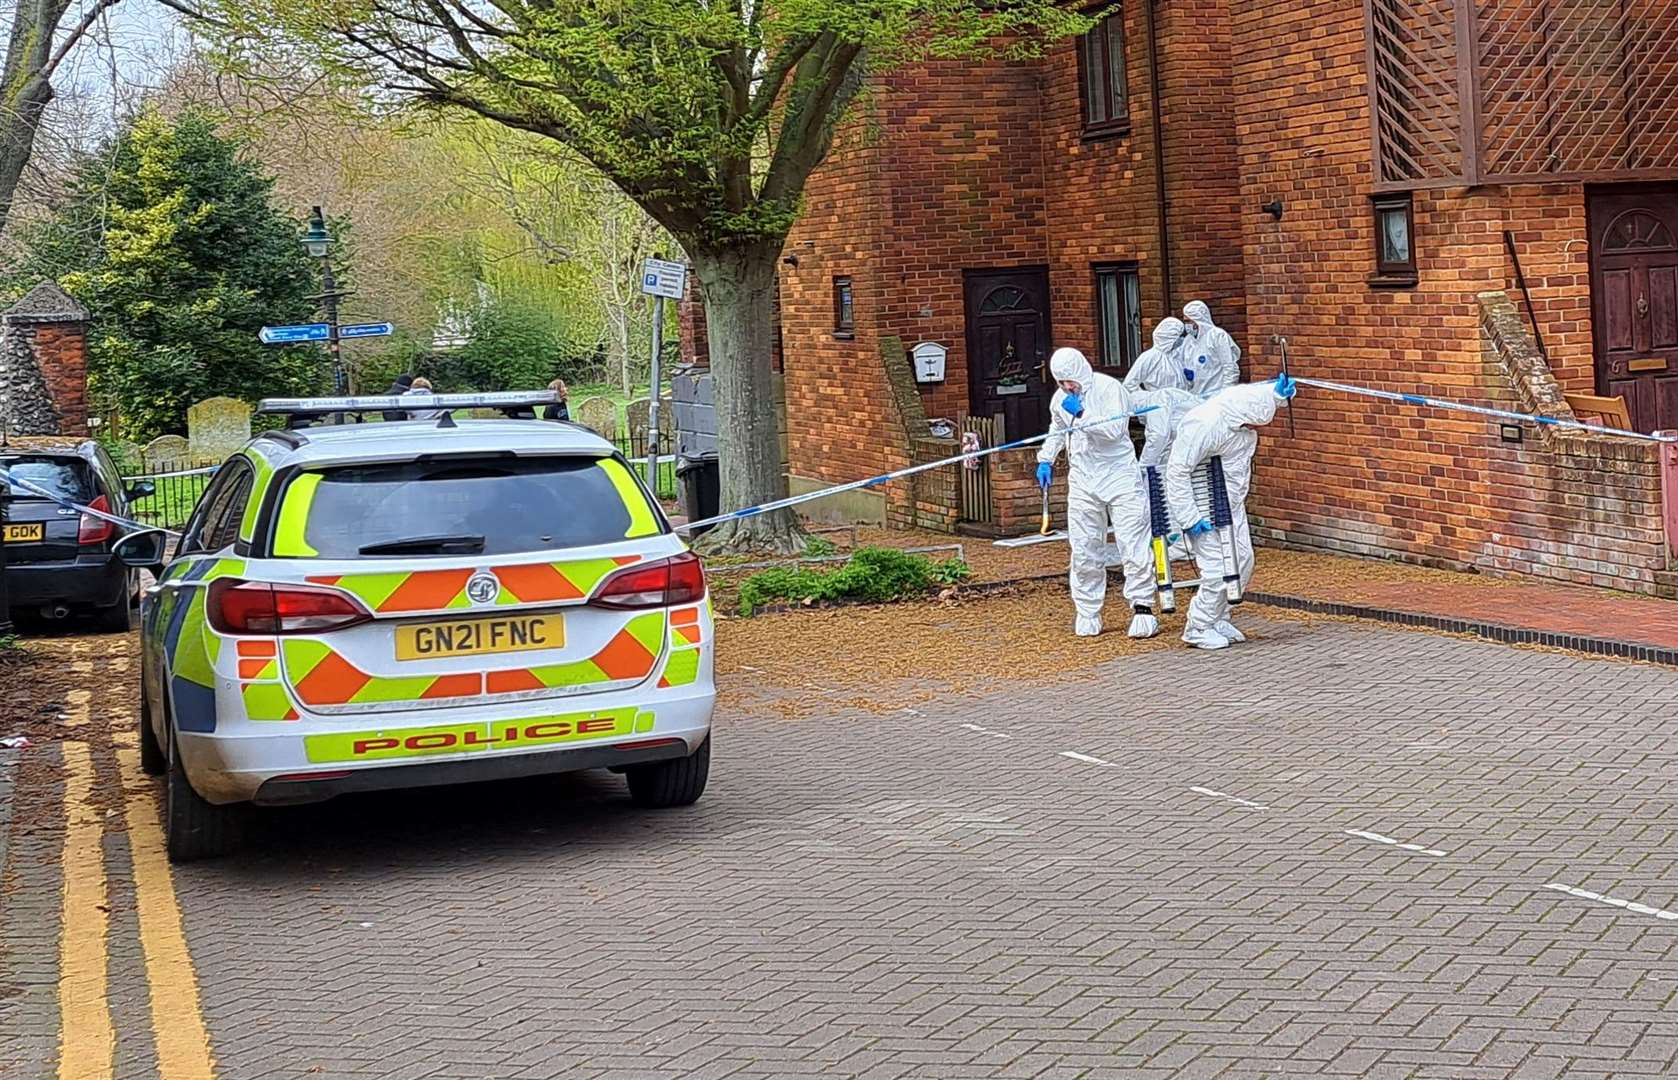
256,607
679,579
95,530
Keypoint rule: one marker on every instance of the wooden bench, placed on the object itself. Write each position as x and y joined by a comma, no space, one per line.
1607,411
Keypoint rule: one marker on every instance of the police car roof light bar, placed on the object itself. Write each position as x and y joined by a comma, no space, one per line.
511,399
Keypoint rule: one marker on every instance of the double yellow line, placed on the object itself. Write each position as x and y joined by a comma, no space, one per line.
87,1036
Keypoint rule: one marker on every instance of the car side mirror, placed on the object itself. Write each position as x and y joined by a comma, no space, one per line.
141,489
141,550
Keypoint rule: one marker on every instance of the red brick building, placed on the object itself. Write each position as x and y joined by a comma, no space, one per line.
1371,179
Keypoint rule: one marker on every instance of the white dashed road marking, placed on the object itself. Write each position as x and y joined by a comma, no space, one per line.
986,731
1231,798
1585,894
1378,838
1075,756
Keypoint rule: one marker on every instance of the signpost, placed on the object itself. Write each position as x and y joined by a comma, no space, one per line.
289,335
360,330
662,280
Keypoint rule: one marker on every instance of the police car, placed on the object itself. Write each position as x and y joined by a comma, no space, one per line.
366,606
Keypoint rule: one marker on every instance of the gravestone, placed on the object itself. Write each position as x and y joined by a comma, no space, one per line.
217,427
167,452
637,411
599,415
129,456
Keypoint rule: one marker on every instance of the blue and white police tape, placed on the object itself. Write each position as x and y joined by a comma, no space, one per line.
876,481
19,484
1481,410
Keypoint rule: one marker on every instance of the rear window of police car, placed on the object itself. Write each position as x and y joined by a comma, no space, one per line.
65,477
461,505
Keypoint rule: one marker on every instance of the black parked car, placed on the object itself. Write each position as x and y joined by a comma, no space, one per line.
58,561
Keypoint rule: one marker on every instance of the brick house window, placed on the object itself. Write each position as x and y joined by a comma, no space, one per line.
1395,240
1118,314
1101,76
844,315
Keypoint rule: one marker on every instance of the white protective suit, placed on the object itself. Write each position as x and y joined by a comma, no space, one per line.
1160,425
1103,485
1161,367
1209,351
1223,426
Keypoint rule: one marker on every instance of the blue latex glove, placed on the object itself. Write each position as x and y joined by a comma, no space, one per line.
1200,528
1045,474
1172,538
1188,373
1073,404
1286,388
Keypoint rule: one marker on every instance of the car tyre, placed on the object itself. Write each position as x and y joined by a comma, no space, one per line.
116,619
153,761
665,784
193,827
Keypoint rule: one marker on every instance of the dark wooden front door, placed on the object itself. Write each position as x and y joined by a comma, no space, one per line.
1008,348
1634,299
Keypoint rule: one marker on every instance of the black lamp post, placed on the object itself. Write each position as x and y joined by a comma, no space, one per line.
318,243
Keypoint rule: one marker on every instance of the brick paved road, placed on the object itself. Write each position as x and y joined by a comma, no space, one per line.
1022,884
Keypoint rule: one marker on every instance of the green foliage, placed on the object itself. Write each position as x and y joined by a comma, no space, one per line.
819,547
9,642
950,572
711,116
172,241
871,576
513,347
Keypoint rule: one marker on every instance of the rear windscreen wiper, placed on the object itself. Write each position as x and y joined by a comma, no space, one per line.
448,544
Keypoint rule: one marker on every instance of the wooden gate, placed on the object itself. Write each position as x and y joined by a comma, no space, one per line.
976,503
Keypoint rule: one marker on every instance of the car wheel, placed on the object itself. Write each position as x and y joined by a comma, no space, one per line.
194,828
153,762
116,619
664,784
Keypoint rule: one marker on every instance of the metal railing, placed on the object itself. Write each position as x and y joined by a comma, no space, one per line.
178,484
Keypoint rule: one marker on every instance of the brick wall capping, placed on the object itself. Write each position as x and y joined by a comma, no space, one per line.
46,303
1511,346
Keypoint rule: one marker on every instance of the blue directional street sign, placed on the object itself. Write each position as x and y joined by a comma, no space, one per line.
372,329
286,335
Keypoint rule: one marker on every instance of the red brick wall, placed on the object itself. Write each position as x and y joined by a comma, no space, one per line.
61,353
941,172
1362,475
840,419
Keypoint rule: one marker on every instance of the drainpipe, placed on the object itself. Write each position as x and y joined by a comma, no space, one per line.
1159,165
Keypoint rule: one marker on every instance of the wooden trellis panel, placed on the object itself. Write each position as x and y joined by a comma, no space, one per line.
1516,91
1415,81
1577,88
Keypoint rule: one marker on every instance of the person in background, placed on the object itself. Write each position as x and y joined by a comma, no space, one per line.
561,411
1161,367
421,387
1208,351
397,388
1222,425
1104,487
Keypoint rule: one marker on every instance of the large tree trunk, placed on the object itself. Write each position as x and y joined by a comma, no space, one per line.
739,288
25,91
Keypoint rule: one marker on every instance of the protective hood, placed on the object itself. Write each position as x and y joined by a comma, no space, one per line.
1169,333
1198,313
1069,365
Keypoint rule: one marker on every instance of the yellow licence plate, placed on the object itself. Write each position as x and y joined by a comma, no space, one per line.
474,637
22,534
